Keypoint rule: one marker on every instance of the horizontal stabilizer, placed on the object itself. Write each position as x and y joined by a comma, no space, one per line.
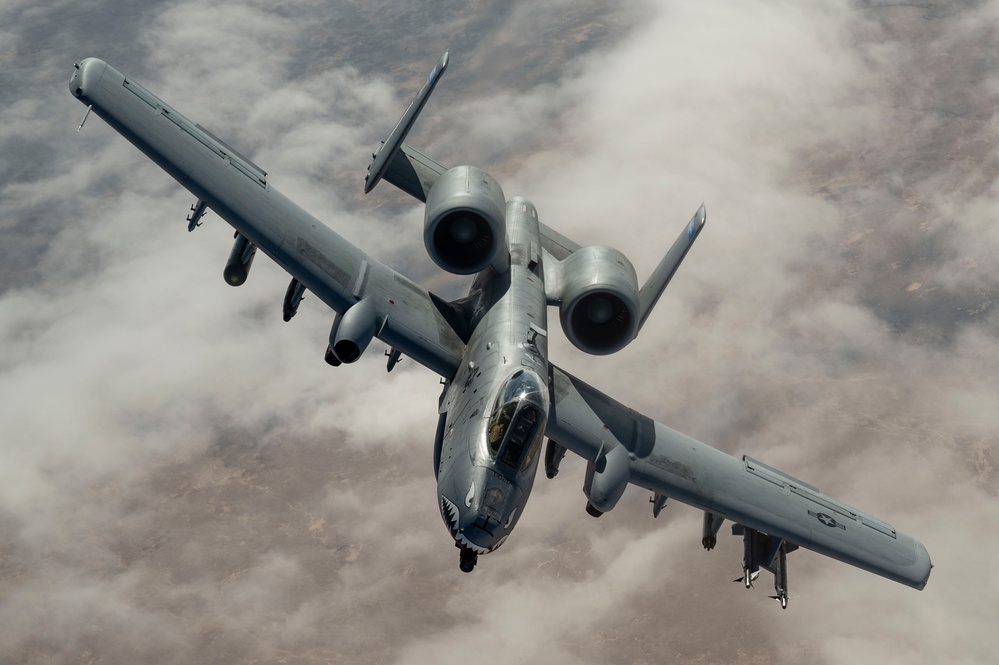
413,172
380,164
557,244
649,294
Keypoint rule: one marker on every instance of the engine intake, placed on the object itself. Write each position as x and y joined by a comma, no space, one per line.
600,301
465,225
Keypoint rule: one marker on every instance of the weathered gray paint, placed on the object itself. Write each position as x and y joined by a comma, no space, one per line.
321,259
477,343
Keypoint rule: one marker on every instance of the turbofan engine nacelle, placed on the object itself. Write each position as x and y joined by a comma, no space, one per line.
465,225
600,302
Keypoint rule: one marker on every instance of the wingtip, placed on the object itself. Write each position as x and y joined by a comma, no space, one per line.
696,223
923,565
439,68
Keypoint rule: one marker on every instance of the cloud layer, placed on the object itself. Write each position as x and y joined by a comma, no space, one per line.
184,479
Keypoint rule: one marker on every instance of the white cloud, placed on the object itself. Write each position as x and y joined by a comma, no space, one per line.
184,479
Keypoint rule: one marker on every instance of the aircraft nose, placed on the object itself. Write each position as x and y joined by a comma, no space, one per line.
86,74
481,513
463,528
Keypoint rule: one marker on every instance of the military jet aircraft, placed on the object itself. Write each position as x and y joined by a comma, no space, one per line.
502,397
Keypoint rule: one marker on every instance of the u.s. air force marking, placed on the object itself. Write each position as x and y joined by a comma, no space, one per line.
828,520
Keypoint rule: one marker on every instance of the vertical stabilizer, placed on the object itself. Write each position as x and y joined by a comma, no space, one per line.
383,158
649,294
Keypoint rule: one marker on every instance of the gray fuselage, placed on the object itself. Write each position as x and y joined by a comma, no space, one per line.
494,411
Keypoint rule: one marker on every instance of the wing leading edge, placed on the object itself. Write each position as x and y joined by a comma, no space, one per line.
631,448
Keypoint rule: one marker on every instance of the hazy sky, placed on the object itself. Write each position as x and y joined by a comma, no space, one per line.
182,479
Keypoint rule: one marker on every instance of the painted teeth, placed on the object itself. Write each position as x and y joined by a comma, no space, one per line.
450,513
465,542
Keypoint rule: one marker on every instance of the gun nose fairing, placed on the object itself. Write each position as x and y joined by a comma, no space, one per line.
467,537
480,508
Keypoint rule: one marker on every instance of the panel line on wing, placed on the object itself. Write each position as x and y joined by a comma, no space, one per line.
142,94
775,476
202,135
340,275
812,493
853,514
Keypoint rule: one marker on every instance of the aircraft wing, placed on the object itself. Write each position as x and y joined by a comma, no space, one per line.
397,310
623,446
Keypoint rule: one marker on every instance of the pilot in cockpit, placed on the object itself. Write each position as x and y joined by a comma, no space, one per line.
515,420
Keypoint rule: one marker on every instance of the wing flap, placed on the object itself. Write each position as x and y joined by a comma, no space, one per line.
745,491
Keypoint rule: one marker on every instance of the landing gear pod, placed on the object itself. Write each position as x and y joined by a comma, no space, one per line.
355,330
240,260
606,479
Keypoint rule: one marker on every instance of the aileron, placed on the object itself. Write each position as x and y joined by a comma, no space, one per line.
776,476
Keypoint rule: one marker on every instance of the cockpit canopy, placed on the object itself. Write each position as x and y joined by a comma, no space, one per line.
517,422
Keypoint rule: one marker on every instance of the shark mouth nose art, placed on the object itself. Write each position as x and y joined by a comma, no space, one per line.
452,518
